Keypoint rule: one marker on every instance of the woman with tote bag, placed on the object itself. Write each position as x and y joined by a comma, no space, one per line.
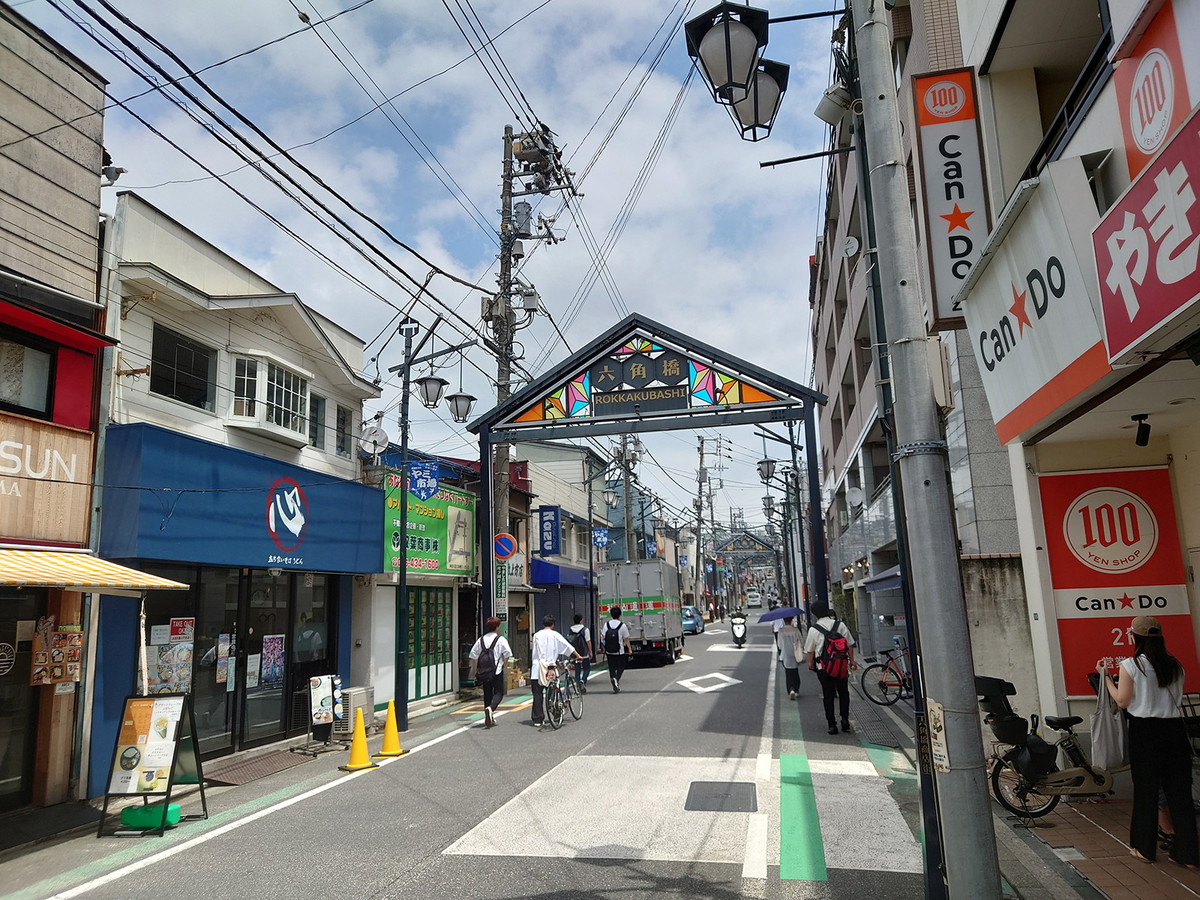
1150,690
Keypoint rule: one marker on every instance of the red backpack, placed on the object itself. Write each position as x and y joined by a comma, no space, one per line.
834,660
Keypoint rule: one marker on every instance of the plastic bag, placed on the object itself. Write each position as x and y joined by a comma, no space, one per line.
1110,733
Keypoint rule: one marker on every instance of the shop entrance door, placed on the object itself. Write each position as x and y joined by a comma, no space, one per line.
19,611
263,646
430,641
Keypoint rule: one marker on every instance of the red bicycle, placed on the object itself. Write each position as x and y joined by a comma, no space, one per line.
886,682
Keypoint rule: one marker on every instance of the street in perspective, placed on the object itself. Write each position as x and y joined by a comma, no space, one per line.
583,450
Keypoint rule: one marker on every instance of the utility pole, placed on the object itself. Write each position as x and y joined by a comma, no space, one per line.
968,837
540,171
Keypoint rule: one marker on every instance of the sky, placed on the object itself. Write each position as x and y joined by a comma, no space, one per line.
691,231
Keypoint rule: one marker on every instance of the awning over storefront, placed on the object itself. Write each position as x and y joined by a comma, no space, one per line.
887,580
76,572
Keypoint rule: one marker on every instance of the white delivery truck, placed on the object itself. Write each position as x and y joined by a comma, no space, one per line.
648,591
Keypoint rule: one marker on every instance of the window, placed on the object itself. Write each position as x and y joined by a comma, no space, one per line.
316,421
344,425
273,398
182,369
25,374
245,387
287,398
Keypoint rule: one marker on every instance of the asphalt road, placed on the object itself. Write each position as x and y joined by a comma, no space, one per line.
597,810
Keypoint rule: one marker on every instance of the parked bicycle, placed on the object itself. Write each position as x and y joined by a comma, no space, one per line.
886,682
1024,772
562,692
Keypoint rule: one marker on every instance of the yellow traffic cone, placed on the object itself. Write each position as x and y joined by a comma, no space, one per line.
358,749
391,735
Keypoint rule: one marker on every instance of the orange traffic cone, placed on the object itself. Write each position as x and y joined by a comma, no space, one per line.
358,749
391,735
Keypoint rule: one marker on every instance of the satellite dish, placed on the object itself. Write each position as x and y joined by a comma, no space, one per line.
854,496
850,246
373,439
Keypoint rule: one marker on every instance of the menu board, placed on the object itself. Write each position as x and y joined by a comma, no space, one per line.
146,743
325,695
57,656
169,668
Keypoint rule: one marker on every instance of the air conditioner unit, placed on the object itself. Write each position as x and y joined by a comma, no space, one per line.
355,698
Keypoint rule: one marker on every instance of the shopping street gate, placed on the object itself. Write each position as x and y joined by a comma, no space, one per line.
642,376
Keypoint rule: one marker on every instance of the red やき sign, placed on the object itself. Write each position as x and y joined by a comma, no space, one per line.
1114,554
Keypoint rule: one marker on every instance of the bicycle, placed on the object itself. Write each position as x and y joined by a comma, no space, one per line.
886,682
1024,772
562,693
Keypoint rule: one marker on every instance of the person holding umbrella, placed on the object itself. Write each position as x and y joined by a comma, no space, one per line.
787,638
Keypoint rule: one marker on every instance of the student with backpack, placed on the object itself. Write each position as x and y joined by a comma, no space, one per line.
491,654
581,639
830,650
616,647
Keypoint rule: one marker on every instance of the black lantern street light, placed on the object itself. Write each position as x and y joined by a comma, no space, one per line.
726,43
430,388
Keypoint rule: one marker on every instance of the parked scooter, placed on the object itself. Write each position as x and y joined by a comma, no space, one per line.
737,625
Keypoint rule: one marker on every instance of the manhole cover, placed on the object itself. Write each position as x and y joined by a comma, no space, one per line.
722,796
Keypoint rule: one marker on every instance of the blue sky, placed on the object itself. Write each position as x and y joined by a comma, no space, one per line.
715,247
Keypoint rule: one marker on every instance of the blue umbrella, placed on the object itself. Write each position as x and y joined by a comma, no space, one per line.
782,612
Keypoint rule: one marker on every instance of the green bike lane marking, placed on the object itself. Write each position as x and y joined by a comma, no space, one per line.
801,845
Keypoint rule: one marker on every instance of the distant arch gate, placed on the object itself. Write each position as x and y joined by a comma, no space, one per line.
642,376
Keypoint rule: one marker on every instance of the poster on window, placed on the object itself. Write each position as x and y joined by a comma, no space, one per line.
1114,554
169,668
57,656
272,659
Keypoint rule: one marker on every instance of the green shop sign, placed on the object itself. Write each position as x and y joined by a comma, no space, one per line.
441,530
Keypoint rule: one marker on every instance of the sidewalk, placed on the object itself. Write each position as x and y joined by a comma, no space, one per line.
1091,835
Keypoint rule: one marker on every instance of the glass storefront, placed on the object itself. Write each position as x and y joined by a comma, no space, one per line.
19,612
258,637
430,641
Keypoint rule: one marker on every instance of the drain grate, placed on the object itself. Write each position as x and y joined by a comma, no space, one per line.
722,796
873,727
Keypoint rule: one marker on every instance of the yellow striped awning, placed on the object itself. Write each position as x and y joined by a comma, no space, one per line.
76,572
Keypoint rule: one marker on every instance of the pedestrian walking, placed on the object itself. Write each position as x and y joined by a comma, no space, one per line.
580,637
791,642
776,626
545,647
616,647
830,650
1150,690
491,654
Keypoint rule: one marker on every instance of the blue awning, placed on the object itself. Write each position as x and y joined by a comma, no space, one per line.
887,580
542,572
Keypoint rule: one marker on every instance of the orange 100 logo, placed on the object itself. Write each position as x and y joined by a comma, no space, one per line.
944,99
1111,530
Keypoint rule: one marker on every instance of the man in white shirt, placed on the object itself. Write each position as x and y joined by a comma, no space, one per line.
827,627
545,647
615,636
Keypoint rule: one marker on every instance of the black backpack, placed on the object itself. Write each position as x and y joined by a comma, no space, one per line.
485,665
612,637
579,642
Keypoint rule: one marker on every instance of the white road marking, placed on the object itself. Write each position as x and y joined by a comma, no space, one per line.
723,648
693,684
861,768
755,865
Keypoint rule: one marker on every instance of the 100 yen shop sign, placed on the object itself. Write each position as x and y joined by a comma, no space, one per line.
1113,549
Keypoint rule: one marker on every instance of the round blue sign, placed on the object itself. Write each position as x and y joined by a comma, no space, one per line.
505,545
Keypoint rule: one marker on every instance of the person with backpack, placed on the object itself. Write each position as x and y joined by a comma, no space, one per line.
545,647
830,650
616,647
581,639
491,654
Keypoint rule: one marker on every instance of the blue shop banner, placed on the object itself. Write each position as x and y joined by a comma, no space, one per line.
171,496
549,530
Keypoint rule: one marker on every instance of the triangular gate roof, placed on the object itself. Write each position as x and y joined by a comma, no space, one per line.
744,543
642,370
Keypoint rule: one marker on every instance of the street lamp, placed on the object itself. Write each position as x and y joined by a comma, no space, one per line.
430,388
967,851
726,43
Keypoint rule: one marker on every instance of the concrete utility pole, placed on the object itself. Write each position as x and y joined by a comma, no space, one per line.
968,836
503,320
701,477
